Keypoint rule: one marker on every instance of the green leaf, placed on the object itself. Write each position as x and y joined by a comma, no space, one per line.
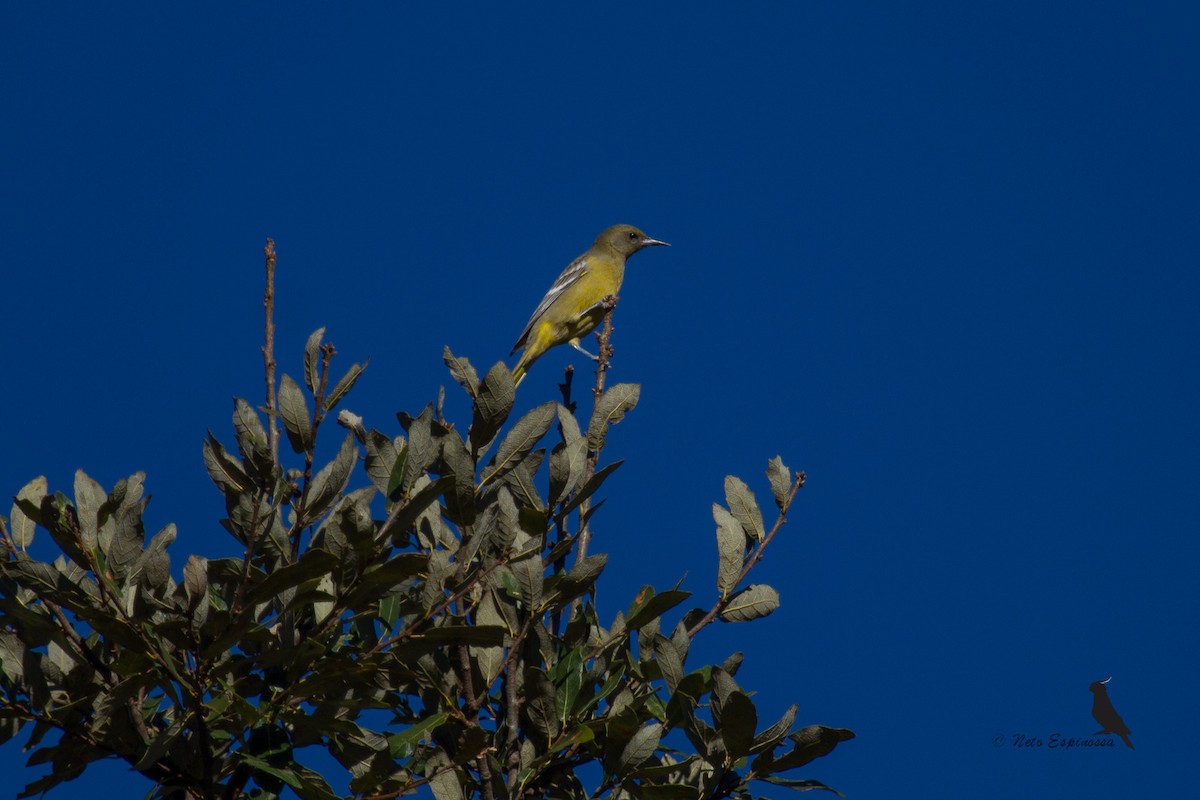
425,496
568,676
152,569
342,387
351,523
568,424
225,470
640,748
568,465
422,449
250,434
581,576
756,600
521,481
195,579
310,785
312,354
398,482
587,490
731,549
744,507
461,501
529,573
398,742
161,744
89,497
649,606
58,517
297,421
800,785
734,662
774,734
393,572
462,372
739,719
312,565
780,478
443,778
610,409
128,533
331,481
520,440
21,524
808,744
492,406
670,664
12,656
381,458
540,703
489,659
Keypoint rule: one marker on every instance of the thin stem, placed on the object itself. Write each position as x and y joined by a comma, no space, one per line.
199,678
239,593
513,704
301,505
466,683
602,363
754,558
268,351
410,785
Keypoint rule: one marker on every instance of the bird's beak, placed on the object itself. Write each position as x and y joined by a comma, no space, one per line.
648,241
1106,680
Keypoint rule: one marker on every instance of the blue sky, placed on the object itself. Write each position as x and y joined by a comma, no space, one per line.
943,259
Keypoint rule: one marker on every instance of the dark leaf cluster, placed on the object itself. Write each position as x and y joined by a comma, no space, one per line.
430,627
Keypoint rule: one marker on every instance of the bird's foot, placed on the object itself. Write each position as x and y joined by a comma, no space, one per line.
579,347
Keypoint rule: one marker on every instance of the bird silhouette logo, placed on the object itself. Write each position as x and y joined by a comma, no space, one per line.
1106,715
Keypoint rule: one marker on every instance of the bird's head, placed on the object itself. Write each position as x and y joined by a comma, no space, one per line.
1098,686
626,240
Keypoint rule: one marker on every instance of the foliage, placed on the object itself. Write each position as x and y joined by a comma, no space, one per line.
450,643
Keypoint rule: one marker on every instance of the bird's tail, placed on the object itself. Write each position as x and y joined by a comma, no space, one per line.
519,373
1125,738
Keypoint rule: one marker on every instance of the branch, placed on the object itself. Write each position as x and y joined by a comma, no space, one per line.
410,785
604,357
159,772
512,705
754,558
239,593
300,505
268,352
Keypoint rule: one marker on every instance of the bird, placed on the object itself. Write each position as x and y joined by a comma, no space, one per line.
574,306
1106,715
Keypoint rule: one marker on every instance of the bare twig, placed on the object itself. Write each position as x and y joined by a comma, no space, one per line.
565,387
268,351
603,336
512,703
466,685
754,558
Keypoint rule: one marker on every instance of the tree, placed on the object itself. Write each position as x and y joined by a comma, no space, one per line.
449,643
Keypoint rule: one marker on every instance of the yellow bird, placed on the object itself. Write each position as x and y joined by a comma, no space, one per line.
574,305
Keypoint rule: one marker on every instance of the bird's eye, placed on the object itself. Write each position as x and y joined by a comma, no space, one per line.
632,236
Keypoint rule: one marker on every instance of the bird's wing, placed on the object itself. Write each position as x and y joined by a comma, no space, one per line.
569,277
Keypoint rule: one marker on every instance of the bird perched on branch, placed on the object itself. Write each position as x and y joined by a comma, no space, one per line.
574,306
